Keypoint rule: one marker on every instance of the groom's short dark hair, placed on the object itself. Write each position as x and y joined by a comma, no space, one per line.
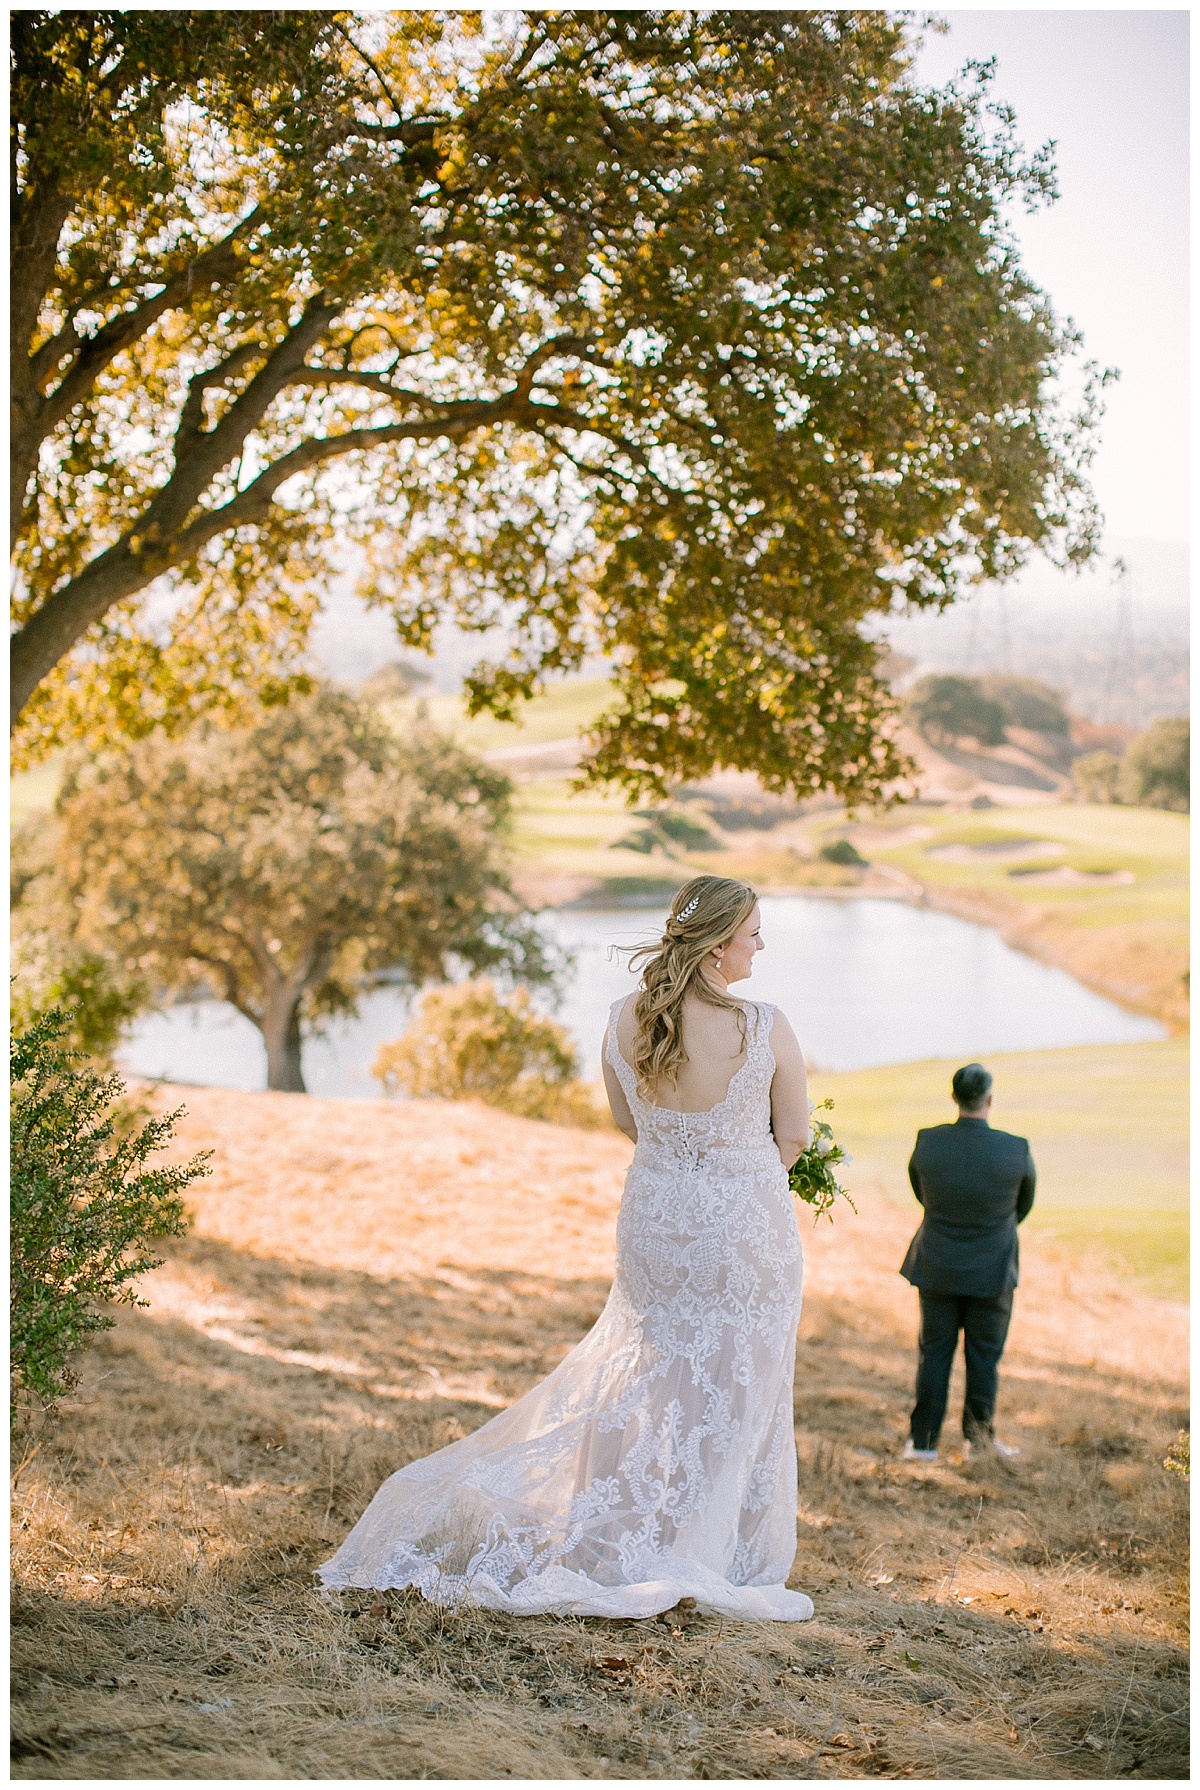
971,1086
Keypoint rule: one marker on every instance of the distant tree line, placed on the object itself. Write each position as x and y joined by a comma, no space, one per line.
944,707
1153,772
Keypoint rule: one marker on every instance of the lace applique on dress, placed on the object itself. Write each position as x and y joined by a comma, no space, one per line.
658,1460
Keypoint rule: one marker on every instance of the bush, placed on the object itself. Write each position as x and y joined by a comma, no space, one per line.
1097,777
1026,702
664,829
83,1207
1179,1455
96,1001
841,851
1155,770
945,708
97,995
466,1043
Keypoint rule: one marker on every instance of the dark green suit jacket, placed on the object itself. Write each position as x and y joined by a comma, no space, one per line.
976,1185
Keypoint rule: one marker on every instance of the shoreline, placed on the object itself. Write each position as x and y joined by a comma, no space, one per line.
1036,931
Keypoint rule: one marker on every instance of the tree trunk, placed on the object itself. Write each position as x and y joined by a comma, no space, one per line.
281,1034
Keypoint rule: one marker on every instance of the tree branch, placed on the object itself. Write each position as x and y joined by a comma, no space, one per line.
253,504
192,414
377,382
34,416
218,264
371,64
158,543
205,453
44,361
163,539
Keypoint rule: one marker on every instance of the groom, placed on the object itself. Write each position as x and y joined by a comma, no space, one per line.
976,1186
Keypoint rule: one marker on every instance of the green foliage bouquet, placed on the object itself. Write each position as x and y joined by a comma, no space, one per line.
811,1177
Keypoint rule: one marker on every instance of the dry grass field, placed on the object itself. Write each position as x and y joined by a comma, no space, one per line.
365,1282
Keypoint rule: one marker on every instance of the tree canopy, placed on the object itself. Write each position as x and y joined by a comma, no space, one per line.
469,1043
1027,702
286,866
1156,770
693,338
945,707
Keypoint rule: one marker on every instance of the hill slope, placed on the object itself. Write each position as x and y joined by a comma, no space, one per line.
366,1282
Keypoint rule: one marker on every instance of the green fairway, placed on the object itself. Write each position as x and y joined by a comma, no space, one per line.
1147,845
1108,1128
562,712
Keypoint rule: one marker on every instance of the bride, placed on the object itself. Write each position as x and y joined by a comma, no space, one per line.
658,1460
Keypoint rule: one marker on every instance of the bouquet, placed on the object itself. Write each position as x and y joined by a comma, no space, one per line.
811,1177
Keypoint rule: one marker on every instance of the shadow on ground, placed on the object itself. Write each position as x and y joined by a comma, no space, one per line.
973,1620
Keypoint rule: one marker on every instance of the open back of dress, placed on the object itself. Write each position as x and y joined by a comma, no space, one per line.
658,1460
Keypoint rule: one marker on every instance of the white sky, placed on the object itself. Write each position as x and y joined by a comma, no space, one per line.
1111,88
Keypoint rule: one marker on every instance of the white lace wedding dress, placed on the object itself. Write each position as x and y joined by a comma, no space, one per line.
658,1460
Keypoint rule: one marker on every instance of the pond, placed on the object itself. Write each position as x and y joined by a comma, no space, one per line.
864,982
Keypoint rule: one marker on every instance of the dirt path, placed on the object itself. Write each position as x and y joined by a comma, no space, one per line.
364,1283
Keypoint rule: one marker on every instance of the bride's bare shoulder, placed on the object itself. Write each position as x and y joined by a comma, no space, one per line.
626,1024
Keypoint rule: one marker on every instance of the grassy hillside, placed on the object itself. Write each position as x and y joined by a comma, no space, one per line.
367,1281
562,712
1108,1125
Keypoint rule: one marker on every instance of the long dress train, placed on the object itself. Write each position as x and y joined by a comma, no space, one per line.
658,1460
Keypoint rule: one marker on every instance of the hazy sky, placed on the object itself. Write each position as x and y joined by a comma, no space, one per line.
1111,88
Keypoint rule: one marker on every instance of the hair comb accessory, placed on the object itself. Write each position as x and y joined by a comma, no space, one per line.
685,912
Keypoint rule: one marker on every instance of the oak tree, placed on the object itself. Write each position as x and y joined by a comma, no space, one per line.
1156,769
697,338
286,867
946,708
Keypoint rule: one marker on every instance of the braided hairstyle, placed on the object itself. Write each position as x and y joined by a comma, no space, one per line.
706,912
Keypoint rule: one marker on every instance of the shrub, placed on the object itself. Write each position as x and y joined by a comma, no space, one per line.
1154,771
841,851
97,994
944,708
466,1043
83,1206
96,1001
1179,1455
664,829
1097,777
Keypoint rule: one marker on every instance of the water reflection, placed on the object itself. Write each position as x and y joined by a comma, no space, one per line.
863,981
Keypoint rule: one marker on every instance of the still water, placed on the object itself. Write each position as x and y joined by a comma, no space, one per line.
863,982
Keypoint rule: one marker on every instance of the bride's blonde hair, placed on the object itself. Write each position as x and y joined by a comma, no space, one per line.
705,913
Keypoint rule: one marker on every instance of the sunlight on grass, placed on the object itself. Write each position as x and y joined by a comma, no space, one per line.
1107,1124
1148,842
561,712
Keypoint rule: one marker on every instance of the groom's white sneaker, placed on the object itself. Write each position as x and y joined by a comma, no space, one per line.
1008,1451
913,1453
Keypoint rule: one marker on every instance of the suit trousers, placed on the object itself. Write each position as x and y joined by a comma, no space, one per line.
984,1324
